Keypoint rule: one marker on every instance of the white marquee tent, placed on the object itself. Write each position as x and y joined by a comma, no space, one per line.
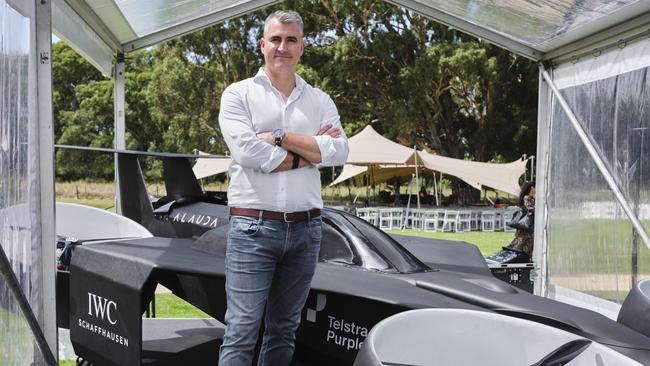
594,100
207,167
387,159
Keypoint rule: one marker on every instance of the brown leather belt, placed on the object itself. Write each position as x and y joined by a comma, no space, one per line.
274,215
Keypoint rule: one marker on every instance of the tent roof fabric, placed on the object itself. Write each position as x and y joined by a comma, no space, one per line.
369,147
532,29
348,172
504,177
207,167
388,159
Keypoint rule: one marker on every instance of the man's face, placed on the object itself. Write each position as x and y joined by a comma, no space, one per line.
282,46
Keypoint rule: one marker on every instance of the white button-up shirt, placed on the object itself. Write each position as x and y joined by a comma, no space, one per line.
252,106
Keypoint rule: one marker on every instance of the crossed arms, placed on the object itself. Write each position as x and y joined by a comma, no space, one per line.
304,146
328,147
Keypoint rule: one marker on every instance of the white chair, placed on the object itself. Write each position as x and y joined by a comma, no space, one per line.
463,221
396,218
498,219
430,222
440,223
507,216
475,220
415,219
449,222
373,217
363,213
487,220
385,218
368,214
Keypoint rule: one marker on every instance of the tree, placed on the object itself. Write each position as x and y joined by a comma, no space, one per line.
83,112
416,81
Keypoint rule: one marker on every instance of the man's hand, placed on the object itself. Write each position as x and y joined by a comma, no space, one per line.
266,137
328,130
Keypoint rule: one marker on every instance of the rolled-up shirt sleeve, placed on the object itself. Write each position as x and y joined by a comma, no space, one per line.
333,151
240,136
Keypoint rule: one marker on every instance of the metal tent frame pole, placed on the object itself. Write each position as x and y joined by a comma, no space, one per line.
543,151
417,178
119,120
595,155
435,188
14,287
43,241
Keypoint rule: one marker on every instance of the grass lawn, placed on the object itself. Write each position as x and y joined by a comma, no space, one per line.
171,306
100,203
487,242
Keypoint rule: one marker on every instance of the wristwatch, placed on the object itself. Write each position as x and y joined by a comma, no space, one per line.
278,135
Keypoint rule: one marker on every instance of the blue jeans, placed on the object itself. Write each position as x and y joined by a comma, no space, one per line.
268,263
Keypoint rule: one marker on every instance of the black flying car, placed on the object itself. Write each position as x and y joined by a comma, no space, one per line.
364,276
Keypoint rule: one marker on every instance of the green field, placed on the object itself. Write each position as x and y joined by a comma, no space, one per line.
171,306
487,242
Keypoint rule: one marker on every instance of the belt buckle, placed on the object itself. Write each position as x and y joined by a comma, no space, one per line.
284,216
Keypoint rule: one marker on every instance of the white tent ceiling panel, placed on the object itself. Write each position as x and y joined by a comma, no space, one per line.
235,9
534,29
70,27
113,19
533,23
149,16
526,27
617,61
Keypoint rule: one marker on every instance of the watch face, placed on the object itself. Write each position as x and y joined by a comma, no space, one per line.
277,133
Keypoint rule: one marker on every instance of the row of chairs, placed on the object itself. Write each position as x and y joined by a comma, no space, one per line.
448,220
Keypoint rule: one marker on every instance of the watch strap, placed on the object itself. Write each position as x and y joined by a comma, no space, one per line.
296,161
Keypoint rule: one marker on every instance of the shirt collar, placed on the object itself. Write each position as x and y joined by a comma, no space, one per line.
261,75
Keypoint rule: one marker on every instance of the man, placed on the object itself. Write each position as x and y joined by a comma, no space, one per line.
278,129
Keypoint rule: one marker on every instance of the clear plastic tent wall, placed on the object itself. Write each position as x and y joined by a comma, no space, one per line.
592,247
17,198
533,23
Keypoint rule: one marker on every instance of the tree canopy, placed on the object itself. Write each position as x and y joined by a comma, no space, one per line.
418,82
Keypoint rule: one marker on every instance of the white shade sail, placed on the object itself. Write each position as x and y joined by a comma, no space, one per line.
369,147
388,159
349,171
207,167
504,177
